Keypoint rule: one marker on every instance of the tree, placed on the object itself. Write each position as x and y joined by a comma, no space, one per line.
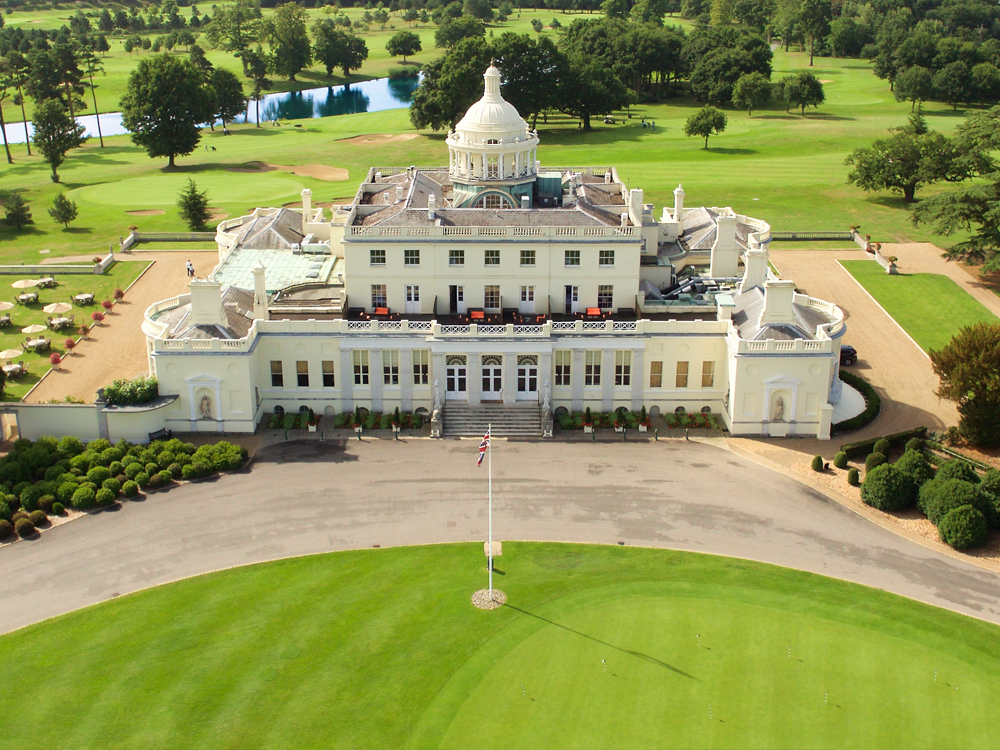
751,91
452,31
257,67
235,28
229,98
450,85
18,68
969,370
66,58
986,81
285,32
92,64
531,69
165,101
480,9
914,84
105,22
705,122
403,43
536,26
6,84
197,57
63,210
954,84
194,206
16,212
337,49
802,90
55,134
589,89
814,16
101,45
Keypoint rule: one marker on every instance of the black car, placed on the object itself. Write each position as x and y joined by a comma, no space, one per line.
848,355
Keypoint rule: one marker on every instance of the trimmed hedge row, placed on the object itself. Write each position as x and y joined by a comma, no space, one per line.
864,447
865,418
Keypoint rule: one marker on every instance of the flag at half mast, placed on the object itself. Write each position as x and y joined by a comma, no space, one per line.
482,448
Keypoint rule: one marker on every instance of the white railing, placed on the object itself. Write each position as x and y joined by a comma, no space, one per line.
770,346
390,325
421,325
590,325
359,325
564,326
624,325
529,330
550,232
455,330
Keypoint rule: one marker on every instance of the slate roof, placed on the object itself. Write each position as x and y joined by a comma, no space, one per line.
279,231
746,318
238,305
698,230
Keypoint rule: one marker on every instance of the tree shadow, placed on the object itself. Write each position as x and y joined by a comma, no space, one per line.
737,151
786,116
824,116
78,230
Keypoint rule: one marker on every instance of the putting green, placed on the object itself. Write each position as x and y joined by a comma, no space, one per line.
262,189
383,648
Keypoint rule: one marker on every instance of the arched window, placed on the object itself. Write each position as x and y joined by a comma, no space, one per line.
679,410
492,142
279,410
493,200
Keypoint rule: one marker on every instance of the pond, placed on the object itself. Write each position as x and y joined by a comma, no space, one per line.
327,101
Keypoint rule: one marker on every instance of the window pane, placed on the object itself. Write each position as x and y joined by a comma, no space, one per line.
411,257
493,257
572,258
277,379
328,379
491,296
378,257
656,374
379,295
456,257
707,374
607,257
682,375
605,296
527,257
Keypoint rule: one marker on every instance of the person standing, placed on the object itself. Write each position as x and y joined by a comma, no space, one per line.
190,269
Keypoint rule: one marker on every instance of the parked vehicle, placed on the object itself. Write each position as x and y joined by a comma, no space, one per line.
848,355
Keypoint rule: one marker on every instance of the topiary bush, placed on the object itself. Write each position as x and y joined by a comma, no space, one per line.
38,518
958,469
881,446
916,467
142,479
64,493
104,497
914,444
6,529
70,446
45,503
152,468
165,459
24,527
940,496
5,511
887,489
116,468
963,527
84,498
133,470
112,485
18,516
165,476
817,463
840,460
130,489
29,497
58,509
112,454
98,474
874,460
175,470
155,482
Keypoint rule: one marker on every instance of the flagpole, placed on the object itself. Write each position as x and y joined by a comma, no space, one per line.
489,448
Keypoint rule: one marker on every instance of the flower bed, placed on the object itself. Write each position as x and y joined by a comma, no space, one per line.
632,420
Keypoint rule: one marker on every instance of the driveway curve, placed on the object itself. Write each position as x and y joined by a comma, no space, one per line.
311,497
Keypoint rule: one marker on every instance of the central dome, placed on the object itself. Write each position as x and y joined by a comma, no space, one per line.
491,114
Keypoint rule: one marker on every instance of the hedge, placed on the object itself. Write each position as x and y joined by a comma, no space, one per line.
957,469
916,467
104,497
6,529
24,527
939,496
864,447
84,498
130,489
963,528
887,489
124,392
865,418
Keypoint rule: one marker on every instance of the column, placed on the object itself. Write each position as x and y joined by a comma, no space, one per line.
576,376
438,374
346,379
638,377
474,385
406,380
375,377
607,380
510,378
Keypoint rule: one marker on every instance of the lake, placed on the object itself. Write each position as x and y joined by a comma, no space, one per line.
327,101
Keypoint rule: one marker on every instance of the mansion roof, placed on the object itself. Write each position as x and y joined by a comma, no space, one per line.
747,313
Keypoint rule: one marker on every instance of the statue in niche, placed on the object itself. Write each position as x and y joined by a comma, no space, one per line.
779,409
546,405
205,407
436,412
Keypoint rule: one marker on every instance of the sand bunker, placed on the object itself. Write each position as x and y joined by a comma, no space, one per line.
825,80
379,138
316,171
147,212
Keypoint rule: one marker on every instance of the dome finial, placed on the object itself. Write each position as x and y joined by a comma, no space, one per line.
492,87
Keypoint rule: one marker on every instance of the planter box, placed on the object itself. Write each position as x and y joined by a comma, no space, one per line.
643,428
359,428
619,429
588,428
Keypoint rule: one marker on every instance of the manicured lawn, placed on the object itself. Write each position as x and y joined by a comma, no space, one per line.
930,307
118,276
382,648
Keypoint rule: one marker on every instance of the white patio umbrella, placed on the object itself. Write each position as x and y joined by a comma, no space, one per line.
10,353
6,305
33,329
25,284
57,307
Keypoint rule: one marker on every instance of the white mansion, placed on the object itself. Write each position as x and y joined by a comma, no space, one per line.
495,283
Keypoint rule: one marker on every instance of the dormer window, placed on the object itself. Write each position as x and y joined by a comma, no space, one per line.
492,142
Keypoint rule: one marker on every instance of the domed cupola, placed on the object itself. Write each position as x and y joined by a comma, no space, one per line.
492,151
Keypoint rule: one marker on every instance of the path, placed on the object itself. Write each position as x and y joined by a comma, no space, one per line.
117,348
311,497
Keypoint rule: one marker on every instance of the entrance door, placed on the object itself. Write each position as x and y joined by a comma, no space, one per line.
412,299
456,297
572,299
455,378
492,378
527,378
527,305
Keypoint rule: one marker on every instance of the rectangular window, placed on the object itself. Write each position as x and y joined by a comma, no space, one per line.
527,257
655,374
623,368
708,374
390,366
377,257
491,297
682,375
592,368
277,378
571,258
379,296
605,296
527,294
328,380
411,257
563,367
456,257
421,366
302,373
360,367
493,257
606,258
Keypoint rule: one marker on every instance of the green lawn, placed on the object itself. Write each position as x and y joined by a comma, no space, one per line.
930,307
383,649
118,276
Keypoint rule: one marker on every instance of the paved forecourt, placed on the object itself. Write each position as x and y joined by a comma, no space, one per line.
311,497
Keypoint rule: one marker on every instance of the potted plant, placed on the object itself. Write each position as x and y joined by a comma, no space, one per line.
620,422
643,420
396,421
313,422
588,421
359,421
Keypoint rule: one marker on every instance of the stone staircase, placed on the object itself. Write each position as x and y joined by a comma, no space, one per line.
514,420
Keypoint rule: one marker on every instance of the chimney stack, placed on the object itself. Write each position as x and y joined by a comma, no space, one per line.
635,206
778,302
259,293
400,192
624,220
431,206
306,208
755,273
525,201
607,177
206,303
725,260
678,203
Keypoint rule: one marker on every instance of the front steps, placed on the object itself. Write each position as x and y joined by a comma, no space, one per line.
508,420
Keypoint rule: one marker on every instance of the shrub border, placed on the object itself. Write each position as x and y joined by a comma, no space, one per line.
862,448
873,405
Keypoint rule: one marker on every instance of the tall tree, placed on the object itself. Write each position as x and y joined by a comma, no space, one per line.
751,92
403,43
454,30
954,84
590,89
55,133
165,101
92,65
815,16
705,122
257,67
969,371
914,84
450,85
6,87
285,32
236,28
531,69
194,206
335,48
229,97
802,89
66,57
63,210
19,69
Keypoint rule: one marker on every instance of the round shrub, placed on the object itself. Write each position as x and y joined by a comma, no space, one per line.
916,467
175,470
957,469
873,460
18,516
5,511
45,503
84,498
38,517
914,444
6,529
104,497
165,459
165,476
121,478
817,463
152,468
989,488
112,454
83,462
24,527
58,509
66,477
52,473
13,502
963,527
940,496
19,488
65,492
76,472
130,489
98,474
29,498
142,479
155,481
887,489
133,470
840,460
116,468
112,485
881,446
70,446
99,445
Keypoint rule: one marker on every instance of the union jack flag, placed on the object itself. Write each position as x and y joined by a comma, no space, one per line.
482,448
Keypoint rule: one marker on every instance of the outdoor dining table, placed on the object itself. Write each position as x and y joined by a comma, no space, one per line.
12,370
38,344
47,281
57,323
84,299
28,297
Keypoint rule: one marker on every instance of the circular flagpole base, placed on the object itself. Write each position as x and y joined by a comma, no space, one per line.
481,599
